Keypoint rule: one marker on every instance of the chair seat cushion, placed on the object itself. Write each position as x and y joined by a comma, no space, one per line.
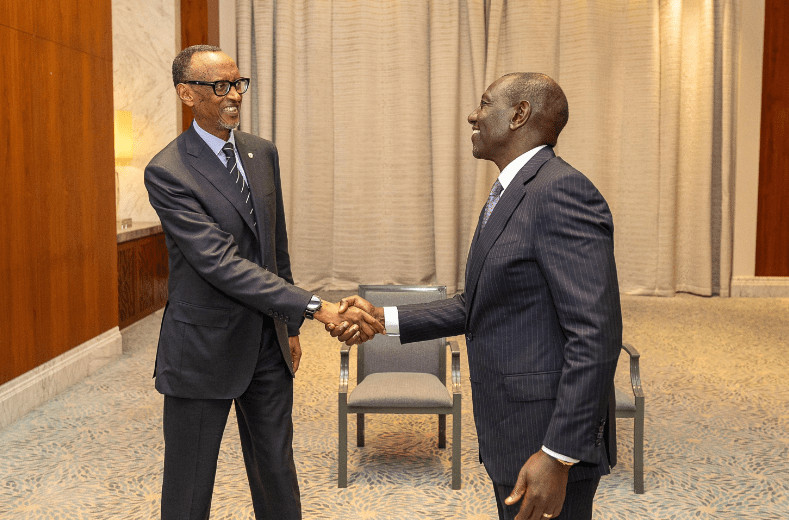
625,402
400,390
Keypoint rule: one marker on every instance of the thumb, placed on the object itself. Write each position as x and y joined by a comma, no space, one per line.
518,490
374,323
344,304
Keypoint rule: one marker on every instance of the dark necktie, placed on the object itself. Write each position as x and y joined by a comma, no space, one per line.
493,199
232,167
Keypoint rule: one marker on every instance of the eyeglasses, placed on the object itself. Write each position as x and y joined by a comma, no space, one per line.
222,88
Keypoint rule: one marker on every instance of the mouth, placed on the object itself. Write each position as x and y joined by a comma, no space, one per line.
231,110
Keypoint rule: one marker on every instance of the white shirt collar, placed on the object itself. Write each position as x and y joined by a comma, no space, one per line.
509,171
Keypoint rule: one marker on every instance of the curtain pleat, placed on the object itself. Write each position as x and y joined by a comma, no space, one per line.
367,102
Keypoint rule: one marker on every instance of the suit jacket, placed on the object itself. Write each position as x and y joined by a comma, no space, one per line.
229,271
543,324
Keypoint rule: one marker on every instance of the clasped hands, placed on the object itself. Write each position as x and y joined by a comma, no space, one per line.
353,320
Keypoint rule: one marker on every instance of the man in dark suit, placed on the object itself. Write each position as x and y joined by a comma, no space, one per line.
230,329
540,311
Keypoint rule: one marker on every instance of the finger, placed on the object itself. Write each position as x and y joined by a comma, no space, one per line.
344,304
366,330
355,340
517,491
329,327
348,334
376,325
340,329
528,512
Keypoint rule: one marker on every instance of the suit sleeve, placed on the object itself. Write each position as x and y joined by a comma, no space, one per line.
213,253
436,319
575,251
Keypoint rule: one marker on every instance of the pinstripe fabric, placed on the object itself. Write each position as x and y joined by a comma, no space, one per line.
542,321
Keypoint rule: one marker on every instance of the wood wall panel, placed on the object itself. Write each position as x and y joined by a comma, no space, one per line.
772,228
58,260
17,15
142,278
199,26
17,263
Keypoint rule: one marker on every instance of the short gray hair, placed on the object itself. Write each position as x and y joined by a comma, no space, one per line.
182,62
548,102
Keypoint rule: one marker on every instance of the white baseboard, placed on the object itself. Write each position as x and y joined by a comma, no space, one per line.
760,287
22,394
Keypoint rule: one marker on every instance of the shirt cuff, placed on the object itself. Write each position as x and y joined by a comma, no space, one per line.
560,457
391,321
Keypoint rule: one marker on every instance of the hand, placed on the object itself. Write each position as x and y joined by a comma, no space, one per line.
344,331
295,352
362,326
542,482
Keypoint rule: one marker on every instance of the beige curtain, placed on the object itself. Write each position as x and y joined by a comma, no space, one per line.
367,103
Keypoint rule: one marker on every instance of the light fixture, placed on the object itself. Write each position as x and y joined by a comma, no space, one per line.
123,137
123,156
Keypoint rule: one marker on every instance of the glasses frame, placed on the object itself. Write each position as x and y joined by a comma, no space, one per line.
212,84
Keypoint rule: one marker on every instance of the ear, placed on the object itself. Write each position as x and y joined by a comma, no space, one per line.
522,114
186,94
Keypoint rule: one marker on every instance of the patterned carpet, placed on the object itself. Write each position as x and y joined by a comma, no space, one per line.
717,433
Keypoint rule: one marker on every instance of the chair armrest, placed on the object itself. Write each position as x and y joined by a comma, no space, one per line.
344,367
635,371
455,349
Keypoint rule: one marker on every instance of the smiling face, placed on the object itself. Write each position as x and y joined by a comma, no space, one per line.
490,123
216,115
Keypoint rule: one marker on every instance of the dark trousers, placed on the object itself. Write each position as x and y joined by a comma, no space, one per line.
577,502
193,431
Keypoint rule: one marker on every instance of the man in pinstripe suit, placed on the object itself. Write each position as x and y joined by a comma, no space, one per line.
540,311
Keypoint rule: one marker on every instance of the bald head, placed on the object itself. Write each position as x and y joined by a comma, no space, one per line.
549,108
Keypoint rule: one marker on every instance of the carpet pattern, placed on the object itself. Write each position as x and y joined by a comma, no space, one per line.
717,433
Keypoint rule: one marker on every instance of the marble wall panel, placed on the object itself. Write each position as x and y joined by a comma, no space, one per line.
144,44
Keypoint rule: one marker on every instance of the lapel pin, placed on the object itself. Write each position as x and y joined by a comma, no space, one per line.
250,155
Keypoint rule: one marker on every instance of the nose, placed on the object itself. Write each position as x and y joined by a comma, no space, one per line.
472,117
233,94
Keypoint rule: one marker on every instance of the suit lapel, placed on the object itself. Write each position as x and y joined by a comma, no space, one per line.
203,159
255,167
509,201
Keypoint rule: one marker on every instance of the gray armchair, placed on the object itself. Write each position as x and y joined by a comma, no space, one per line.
400,379
631,405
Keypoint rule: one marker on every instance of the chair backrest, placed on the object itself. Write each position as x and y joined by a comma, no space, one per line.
386,354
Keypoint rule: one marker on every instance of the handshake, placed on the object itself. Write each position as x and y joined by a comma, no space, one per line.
353,320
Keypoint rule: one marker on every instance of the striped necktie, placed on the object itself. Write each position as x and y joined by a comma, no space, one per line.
232,168
493,199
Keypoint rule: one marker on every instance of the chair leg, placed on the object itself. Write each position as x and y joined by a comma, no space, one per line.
360,430
638,452
342,457
456,431
442,431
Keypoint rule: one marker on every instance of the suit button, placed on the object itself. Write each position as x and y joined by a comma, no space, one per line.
270,312
469,337
598,442
287,318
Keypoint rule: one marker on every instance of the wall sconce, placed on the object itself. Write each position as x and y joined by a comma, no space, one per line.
123,137
123,156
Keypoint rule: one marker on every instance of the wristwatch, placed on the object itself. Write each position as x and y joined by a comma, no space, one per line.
313,307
